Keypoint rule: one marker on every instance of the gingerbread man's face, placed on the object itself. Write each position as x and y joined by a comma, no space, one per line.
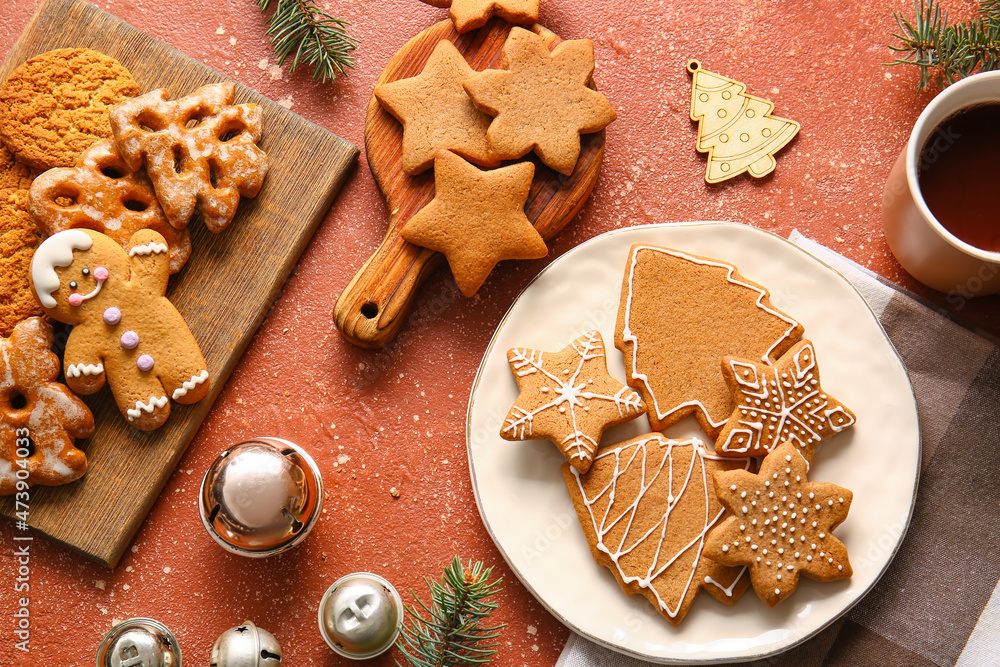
72,270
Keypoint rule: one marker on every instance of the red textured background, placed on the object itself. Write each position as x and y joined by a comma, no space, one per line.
396,417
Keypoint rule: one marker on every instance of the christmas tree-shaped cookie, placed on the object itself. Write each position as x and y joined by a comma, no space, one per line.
737,130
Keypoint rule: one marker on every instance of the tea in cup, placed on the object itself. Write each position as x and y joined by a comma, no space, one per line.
941,205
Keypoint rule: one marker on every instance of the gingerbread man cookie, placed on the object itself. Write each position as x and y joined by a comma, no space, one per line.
126,331
39,418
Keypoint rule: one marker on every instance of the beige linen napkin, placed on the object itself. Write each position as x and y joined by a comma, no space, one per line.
939,601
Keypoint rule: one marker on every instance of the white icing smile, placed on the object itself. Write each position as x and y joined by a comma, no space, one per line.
95,292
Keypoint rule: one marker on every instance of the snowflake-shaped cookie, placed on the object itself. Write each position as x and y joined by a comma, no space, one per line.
568,397
200,151
780,403
781,525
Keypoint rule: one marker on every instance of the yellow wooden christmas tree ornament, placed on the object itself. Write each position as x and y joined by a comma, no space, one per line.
737,130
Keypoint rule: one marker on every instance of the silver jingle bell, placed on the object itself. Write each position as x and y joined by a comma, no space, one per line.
246,646
261,497
360,615
139,642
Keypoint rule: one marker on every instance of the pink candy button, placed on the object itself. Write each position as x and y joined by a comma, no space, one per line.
100,274
130,340
145,363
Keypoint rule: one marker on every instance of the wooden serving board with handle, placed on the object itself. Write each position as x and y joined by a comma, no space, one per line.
223,293
374,306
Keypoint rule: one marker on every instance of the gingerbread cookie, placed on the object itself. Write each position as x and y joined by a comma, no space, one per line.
568,397
471,14
200,151
56,104
104,195
540,100
779,403
13,174
39,418
126,331
436,113
19,236
781,526
646,506
679,316
476,219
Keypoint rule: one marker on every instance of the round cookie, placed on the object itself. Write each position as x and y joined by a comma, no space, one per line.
56,104
19,237
13,174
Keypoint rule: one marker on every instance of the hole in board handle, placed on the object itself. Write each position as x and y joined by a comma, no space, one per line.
370,310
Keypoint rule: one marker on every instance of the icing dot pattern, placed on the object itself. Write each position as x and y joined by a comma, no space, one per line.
796,539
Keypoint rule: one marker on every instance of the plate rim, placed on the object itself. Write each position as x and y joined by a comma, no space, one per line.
688,659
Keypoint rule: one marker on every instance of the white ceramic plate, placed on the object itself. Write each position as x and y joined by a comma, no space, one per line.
526,508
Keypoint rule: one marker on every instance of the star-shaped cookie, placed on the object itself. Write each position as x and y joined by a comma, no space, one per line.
781,525
476,218
471,14
540,100
568,397
779,403
436,113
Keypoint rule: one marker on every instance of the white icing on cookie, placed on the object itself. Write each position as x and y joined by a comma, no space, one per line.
76,370
782,403
140,407
570,394
607,524
94,292
57,250
195,380
148,249
629,337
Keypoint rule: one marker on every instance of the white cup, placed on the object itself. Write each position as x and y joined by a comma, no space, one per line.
928,251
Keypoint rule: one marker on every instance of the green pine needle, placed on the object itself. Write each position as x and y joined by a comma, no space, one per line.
946,53
301,30
450,632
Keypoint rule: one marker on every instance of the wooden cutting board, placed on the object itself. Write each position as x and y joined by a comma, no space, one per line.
376,303
224,292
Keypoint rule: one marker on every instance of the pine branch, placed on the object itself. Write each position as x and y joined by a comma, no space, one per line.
300,29
450,632
946,53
